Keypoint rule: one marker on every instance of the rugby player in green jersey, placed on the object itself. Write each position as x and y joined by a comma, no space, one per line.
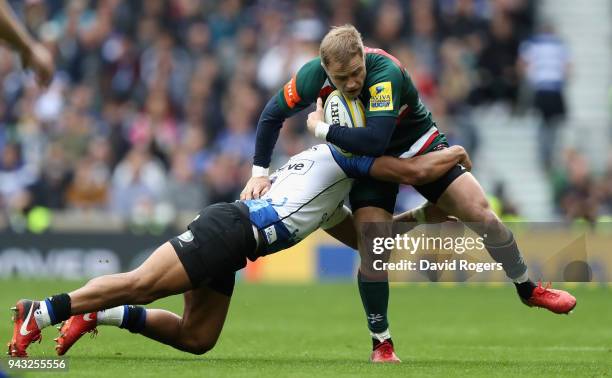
397,124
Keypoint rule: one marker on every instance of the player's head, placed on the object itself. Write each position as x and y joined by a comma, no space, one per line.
343,59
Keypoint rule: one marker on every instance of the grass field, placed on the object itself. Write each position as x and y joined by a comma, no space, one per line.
319,330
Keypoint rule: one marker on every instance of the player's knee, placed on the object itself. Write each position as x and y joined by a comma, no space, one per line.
198,346
480,210
491,222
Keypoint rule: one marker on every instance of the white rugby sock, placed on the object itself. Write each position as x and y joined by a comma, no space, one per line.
382,336
42,316
112,316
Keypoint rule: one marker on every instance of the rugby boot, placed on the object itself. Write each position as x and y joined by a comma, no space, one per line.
557,301
72,329
384,353
25,330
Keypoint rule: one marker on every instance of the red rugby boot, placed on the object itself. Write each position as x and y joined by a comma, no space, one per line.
384,352
25,330
72,330
557,301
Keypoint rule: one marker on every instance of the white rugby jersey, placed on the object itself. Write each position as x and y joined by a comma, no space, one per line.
307,193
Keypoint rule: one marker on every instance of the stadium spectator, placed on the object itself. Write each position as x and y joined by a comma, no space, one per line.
606,187
170,76
138,185
497,74
424,39
155,127
460,19
87,190
545,63
184,190
389,23
575,189
56,173
15,178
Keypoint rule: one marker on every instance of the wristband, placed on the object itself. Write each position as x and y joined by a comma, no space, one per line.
260,171
321,130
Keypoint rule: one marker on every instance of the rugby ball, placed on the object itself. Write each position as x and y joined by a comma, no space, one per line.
343,111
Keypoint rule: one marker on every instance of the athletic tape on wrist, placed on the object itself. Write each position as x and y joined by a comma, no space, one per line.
260,171
321,130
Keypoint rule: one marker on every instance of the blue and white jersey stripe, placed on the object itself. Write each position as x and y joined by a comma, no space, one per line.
353,166
305,194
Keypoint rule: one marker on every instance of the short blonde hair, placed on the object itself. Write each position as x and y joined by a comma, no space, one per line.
340,45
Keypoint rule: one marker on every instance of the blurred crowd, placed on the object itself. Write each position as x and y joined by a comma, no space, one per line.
154,106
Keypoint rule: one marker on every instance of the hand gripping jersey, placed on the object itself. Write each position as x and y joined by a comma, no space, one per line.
307,193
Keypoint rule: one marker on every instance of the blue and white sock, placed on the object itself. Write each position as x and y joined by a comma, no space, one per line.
112,316
42,316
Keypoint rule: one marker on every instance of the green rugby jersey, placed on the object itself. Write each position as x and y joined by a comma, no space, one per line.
387,91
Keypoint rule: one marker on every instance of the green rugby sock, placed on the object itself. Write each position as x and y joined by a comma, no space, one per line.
509,256
375,300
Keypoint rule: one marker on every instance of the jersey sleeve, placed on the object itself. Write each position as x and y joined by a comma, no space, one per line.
369,141
353,166
268,128
303,88
384,89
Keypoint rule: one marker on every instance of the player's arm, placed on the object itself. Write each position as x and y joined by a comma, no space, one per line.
268,127
421,169
296,95
11,30
33,54
371,140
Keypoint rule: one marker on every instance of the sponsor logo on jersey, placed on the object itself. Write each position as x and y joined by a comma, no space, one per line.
290,93
296,166
381,97
186,236
270,233
335,113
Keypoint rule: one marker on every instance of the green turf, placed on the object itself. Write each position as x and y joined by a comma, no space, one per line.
319,330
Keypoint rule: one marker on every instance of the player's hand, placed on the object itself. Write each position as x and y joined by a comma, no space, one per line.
39,60
255,188
315,117
462,157
465,161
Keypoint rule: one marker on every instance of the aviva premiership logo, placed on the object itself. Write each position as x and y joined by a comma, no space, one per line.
381,97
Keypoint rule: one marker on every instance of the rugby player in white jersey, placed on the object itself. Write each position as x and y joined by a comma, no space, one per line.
307,193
